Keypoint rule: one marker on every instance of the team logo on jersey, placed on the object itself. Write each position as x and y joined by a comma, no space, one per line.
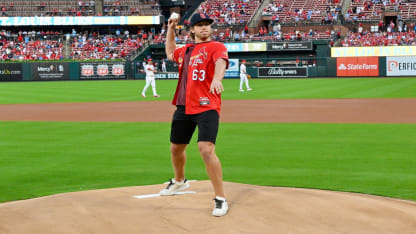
204,101
199,58
180,61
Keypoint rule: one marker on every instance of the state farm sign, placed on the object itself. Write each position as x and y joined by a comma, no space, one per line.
358,66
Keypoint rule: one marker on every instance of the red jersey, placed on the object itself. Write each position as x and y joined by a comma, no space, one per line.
201,69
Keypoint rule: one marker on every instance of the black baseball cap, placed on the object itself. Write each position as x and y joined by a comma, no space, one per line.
199,17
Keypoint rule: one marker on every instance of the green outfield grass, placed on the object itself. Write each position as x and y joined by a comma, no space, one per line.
129,90
41,158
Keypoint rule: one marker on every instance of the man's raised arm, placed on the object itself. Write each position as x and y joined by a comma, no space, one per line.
170,38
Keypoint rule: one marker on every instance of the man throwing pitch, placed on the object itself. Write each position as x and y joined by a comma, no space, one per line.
198,99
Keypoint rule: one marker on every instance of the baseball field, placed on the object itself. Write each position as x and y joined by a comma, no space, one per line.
51,156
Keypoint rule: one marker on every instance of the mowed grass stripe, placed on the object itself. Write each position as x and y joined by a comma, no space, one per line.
129,90
42,158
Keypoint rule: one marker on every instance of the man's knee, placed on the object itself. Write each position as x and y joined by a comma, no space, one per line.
176,149
207,149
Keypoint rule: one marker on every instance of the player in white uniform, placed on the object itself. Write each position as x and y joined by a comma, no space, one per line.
163,65
243,76
150,78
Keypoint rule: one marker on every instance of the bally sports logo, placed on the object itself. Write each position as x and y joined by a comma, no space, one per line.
358,66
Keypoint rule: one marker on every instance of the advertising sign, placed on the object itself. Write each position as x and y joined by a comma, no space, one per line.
87,70
11,72
79,20
167,75
379,51
104,70
289,46
282,72
358,66
118,69
246,47
50,71
401,66
233,69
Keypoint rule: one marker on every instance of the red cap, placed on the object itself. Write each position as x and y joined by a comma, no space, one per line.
149,59
243,60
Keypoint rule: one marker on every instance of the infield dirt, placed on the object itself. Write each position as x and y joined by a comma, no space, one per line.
253,209
399,110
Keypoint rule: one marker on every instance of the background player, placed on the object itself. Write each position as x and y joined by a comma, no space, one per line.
150,78
163,62
243,76
198,99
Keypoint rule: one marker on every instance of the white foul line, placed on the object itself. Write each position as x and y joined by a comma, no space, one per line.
158,195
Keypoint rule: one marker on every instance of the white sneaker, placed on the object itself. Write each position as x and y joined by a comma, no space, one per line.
249,89
221,207
241,90
174,187
156,95
143,95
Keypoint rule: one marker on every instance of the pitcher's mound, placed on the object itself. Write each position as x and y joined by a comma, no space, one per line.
253,209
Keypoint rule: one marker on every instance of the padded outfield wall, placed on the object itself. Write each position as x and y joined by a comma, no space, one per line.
381,61
55,70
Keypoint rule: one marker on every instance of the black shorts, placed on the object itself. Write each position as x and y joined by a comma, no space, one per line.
183,126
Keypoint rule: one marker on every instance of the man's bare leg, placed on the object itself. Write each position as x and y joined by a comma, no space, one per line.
178,157
213,166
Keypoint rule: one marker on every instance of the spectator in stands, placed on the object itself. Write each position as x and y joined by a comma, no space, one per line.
360,28
377,39
392,25
236,36
381,25
19,50
4,11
